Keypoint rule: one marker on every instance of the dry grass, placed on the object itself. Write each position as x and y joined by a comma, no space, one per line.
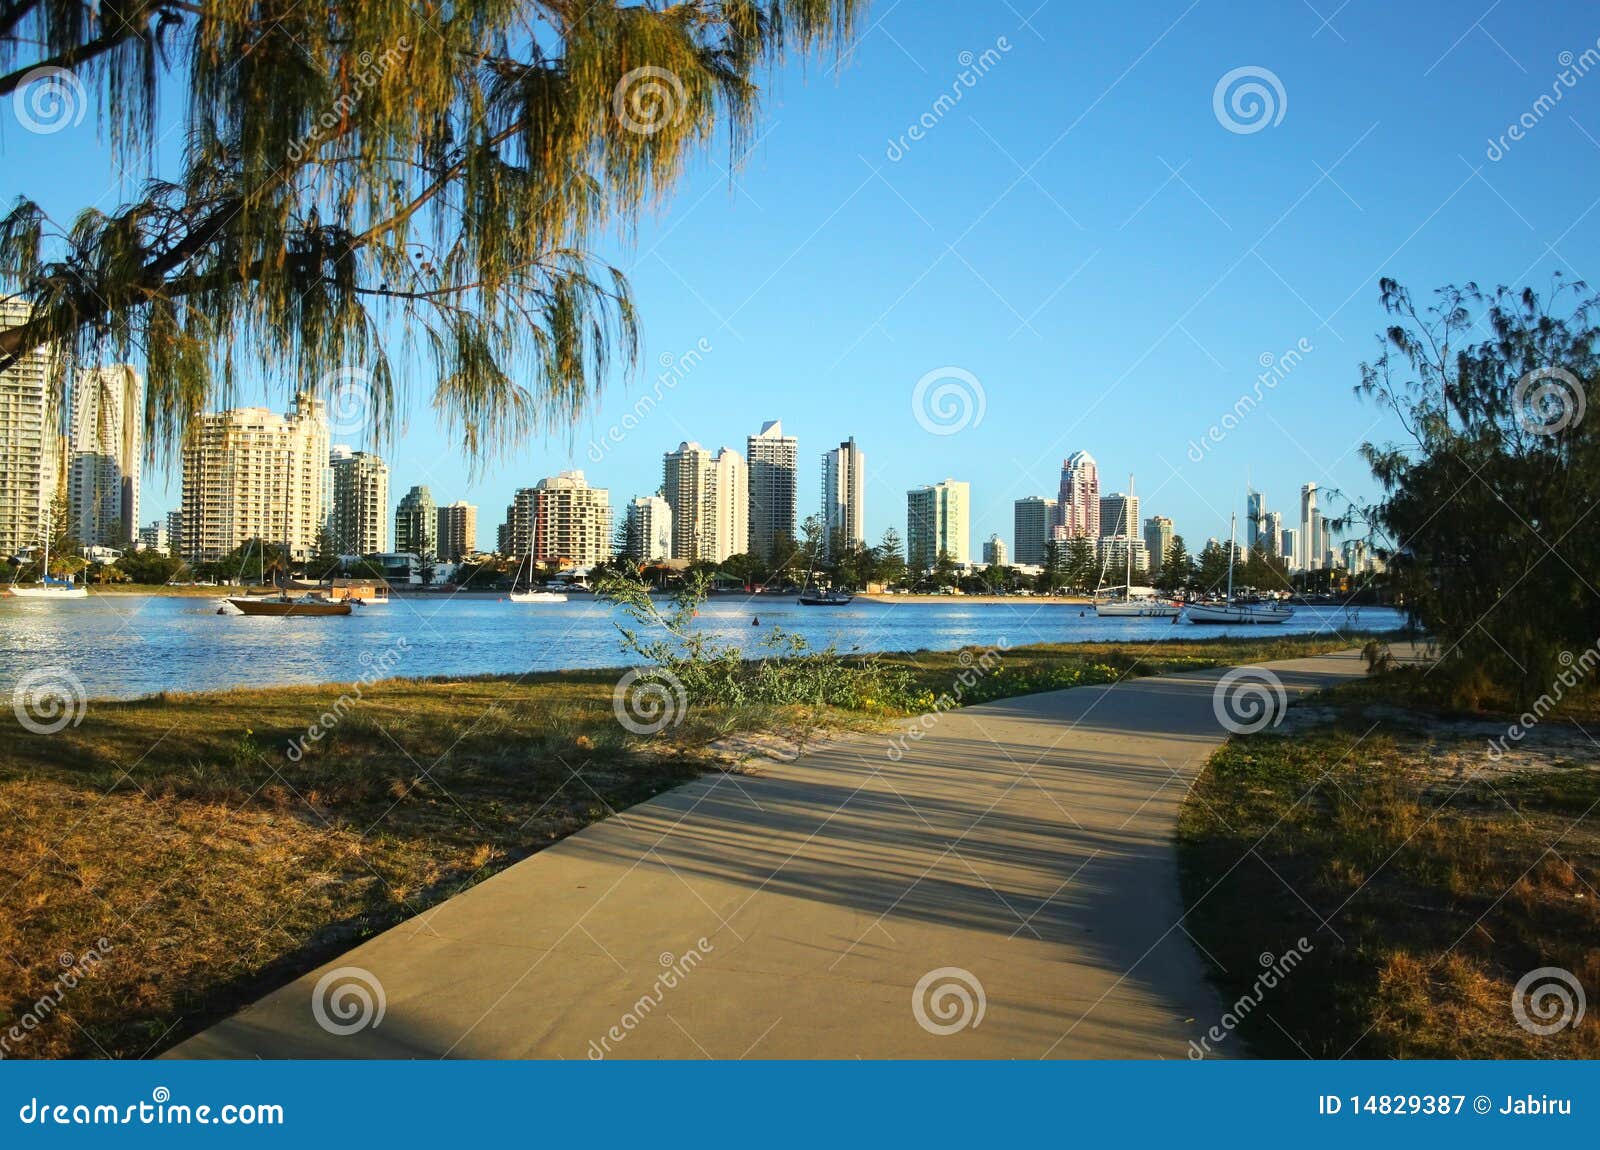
217,867
1440,888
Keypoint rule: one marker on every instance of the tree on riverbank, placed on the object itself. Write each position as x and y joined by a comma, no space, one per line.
1487,508
356,176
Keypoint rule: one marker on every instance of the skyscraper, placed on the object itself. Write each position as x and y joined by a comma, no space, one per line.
458,530
844,478
105,452
1119,514
994,551
251,473
1309,519
416,523
1255,515
1158,535
936,523
360,519
774,472
571,521
1078,508
1289,546
1031,521
30,456
1272,533
709,497
649,531
726,520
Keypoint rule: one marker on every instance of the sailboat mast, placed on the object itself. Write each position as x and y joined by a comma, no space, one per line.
1233,531
1127,541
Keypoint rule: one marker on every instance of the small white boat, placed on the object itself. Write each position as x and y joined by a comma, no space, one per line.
538,597
48,588
1242,611
1137,608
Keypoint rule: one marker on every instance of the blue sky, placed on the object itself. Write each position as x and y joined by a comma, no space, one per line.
1081,234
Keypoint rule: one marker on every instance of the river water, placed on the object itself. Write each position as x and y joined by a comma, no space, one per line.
121,646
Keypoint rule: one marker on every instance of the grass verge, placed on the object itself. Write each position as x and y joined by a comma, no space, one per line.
218,866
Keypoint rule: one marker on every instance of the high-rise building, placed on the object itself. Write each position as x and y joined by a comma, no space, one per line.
1255,517
1289,546
251,473
1031,521
709,498
360,520
1119,514
153,537
936,523
1272,533
1114,553
559,520
1078,505
105,449
416,523
1158,535
1309,538
30,449
844,480
457,530
994,551
774,472
175,533
649,529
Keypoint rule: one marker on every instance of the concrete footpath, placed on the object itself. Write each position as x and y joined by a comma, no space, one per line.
1006,889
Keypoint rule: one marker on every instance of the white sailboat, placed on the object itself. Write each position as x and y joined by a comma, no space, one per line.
1237,610
530,594
48,588
1134,602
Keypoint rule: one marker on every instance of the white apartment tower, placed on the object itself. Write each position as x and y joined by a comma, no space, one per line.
251,473
844,479
458,530
710,499
774,471
360,520
559,520
649,529
105,448
30,448
1310,529
936,523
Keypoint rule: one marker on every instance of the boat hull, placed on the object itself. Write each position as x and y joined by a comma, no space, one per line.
1151,610
825,601
1240,615
537,597
48,592
282,609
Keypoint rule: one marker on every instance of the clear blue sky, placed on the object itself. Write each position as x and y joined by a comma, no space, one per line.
1080,234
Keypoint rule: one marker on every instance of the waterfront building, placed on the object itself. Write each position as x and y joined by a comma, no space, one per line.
936,523
252,473
844,479
710,500
175,533
105,451
360,520
727,519
1112,552
1031,521
416,523
30,449
1272,533
774,460
457,530
1078,505
153,537
994,552
1119,512
649,529
1158,536
1289,546
559,521
1310,528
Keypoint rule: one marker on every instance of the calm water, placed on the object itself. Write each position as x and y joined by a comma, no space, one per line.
126,645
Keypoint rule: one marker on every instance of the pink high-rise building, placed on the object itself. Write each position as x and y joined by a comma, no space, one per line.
1078,508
